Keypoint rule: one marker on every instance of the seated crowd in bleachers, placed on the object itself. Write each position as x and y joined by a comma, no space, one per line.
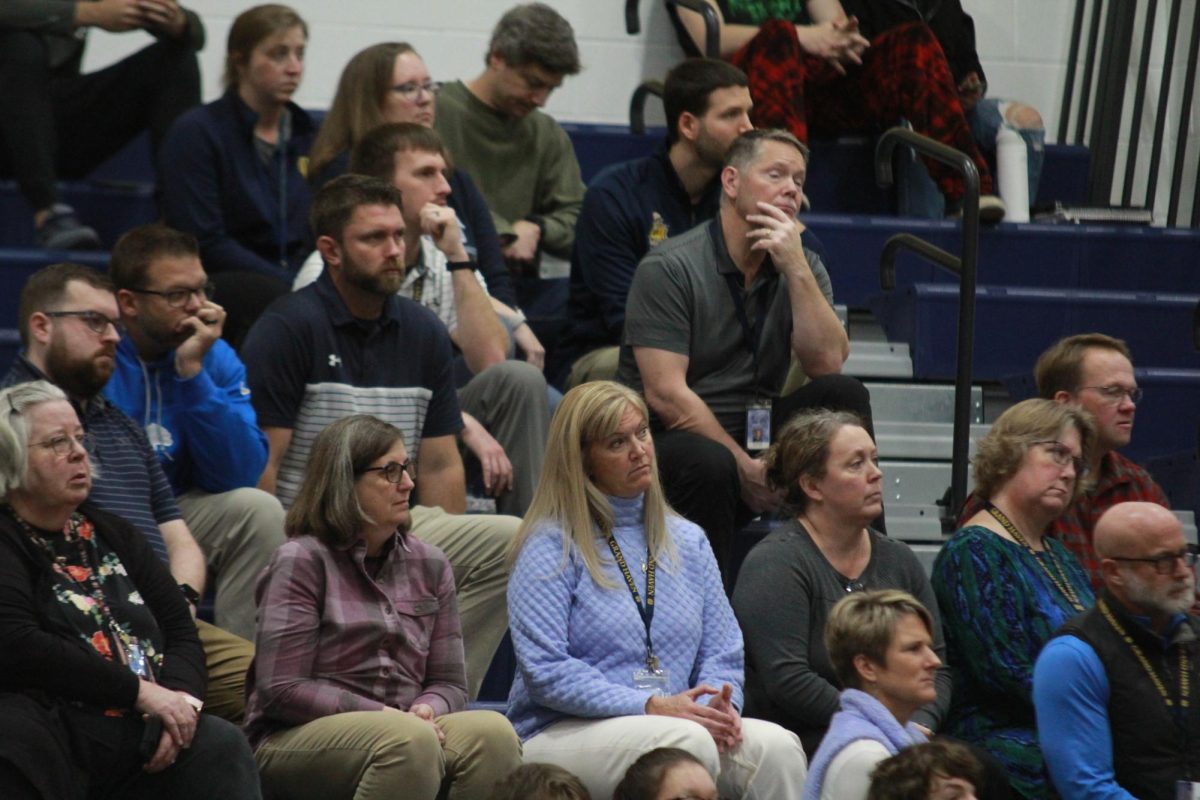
308,460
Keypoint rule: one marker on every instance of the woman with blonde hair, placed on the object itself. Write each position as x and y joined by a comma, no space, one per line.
1004,587
624,639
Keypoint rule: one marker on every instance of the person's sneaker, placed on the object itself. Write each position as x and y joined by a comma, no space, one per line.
62,230
991,209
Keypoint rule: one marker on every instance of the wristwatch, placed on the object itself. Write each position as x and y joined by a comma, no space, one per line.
454,266
190,594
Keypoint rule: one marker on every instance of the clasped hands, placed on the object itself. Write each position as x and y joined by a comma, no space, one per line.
718,716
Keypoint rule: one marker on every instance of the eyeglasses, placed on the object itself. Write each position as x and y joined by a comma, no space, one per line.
1165,564
412,90
393,471
1113,395
178,298
1062,456
64,445
95,321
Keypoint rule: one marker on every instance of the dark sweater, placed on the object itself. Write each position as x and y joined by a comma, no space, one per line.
785,591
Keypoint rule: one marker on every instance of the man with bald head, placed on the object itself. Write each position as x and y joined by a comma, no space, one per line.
1115,690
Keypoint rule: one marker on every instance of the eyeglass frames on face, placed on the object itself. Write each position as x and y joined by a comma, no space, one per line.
1061,455
412,90
64,445
1113,394
94,320
178,298
393,471
1165,564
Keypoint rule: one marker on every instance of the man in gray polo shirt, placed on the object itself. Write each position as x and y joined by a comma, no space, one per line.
714,317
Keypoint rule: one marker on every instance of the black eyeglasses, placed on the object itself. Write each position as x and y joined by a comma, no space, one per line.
178,298
64,445
393,471
412,90
96,322
1062,456
1113,395
1165,564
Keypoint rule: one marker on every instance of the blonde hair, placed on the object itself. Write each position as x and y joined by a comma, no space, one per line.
566,495
15,404
863,624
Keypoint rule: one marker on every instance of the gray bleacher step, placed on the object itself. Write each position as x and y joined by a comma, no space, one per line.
925,553
1188,520
919,402
920,440
913,523
878,360
916,482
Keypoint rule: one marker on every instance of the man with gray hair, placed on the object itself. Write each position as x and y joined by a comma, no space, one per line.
521,158
1113,690
713,319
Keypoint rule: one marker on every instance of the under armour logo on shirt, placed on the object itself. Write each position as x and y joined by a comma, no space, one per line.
334,361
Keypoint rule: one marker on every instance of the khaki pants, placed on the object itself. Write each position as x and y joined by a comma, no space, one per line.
227,657
769,764
598,365
385,755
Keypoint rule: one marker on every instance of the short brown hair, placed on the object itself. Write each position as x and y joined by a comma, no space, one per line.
327,506
375,153
998,455
863,624
337,201
534,33
45,289
747,147
137,250
909,774
1060,368
644,777
251,27
802,449
540,782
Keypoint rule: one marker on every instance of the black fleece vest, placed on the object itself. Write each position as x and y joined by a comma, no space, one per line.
1151,751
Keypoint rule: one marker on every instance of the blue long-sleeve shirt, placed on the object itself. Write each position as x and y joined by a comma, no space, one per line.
579,643
249,215
203,429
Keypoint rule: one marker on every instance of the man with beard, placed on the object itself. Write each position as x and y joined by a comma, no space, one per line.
70,327
631,207
506,412
713,320
348,344
188,389
1114,690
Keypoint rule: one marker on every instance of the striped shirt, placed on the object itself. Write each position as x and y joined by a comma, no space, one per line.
129,481
309,362
429,283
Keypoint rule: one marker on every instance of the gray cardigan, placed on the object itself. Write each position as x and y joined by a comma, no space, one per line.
784,593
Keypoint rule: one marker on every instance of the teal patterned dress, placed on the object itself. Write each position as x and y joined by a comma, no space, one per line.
999,607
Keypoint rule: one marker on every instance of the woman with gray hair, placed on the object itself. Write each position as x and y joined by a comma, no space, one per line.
624,639
827,466
1004,587
102,670
358,683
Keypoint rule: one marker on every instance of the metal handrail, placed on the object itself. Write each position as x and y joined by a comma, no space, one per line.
637,105
965,266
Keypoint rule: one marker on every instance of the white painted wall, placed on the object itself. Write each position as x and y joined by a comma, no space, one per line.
1023,46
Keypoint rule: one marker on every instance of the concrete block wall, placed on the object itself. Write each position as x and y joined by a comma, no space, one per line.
1023,44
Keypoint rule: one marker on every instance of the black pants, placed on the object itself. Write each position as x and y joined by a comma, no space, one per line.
700,476
56,125
57,752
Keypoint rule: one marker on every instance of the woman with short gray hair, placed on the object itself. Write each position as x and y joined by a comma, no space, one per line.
103,669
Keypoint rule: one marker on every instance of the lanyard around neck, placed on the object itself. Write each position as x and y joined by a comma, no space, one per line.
1050,565
646,611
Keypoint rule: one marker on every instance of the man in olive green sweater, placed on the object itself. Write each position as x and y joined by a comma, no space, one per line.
521,159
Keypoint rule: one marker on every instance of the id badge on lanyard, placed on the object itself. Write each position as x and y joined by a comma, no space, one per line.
652,680
758,426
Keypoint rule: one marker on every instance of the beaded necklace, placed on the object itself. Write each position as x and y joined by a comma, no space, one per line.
1050,564
1184,663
